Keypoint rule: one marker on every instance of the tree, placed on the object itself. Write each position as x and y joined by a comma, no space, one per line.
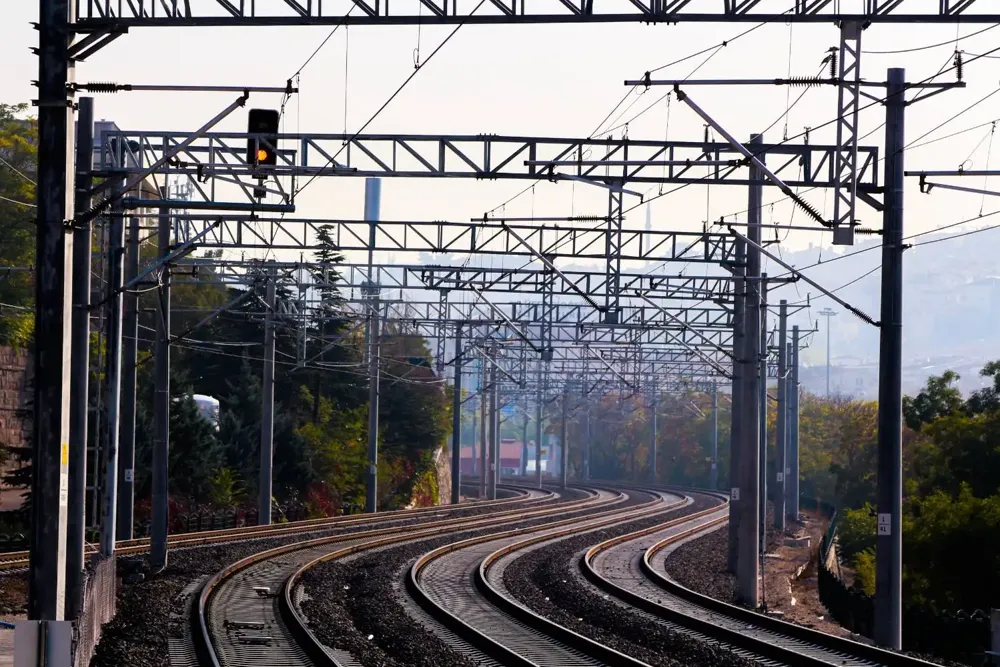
18,167
938,398
987,399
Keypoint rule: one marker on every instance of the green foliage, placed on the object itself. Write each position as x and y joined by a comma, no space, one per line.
856,533
18,148
195,452
224,490
864,571
938,399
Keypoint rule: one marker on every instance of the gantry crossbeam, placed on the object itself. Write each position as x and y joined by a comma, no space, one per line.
105,15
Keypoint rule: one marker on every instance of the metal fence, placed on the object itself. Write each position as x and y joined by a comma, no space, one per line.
97,608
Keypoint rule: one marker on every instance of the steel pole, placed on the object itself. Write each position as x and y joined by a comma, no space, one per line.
889,491
652,442
371,483
80,364
161,402
491,480
762,470
115,298
538,428
781,411
456,422
748,570
737,415
267,407
828,356
715,437
586,448
484,445
524,442
563,444
126,460
792,469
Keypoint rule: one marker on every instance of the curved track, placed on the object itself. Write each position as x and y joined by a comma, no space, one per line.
630,568
18,560
459,585
237,622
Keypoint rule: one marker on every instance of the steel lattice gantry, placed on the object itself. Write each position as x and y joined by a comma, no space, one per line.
110,16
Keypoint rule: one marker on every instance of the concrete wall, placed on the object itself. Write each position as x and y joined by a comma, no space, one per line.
15,429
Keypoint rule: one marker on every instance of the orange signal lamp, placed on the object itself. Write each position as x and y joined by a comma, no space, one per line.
261,154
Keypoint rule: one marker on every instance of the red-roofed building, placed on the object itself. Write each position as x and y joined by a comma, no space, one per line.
511,453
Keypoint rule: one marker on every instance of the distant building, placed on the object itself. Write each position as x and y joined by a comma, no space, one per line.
511,453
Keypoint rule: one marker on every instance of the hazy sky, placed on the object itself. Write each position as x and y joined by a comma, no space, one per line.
539,80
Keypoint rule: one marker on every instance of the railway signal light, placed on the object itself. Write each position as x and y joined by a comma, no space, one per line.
262,149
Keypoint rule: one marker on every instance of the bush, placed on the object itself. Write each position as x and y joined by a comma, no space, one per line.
856,533
864,571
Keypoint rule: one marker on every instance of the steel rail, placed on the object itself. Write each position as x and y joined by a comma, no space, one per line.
743,630
286,562
15,560
525,635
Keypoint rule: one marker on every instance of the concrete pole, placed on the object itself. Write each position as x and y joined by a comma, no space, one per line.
53,313
782,414
792,469
475,439
371,482
484,447
586,448
736,442
494,413
126,460
456,423
748,570
889,491
80,364
563,444
116,276
715,437
161,403
267,409
524,442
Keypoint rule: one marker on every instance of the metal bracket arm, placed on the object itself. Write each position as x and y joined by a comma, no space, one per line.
684,97
859,314
104,204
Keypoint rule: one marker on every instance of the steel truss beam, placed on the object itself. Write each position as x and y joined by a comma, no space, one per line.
584,241
219,159
108,15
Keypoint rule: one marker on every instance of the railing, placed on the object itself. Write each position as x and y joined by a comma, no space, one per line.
97,608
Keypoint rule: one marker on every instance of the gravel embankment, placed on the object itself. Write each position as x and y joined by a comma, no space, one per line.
548,581
151,611
701,564
356,600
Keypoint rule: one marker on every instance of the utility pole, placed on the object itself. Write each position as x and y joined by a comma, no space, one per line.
792,468
889,491
267,407
53,313
538,426
715,436
483,426
563,444
456,422
782,412
524,442
827,313
762,471
126,467
494,469
586,448
748,570
736,416
115,297
80,361
652,442
161,400
371,483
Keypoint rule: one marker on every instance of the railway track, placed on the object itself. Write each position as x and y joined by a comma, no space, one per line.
630,568
459,586
18,560
248,613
